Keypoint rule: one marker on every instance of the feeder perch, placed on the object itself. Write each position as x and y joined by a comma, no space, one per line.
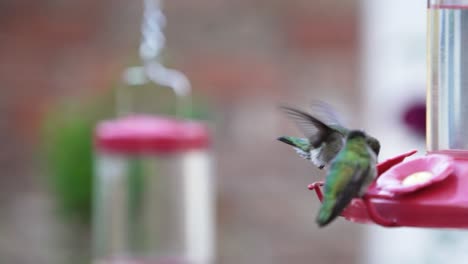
430,191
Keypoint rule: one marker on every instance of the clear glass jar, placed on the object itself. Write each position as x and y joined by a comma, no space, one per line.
447,93
153,197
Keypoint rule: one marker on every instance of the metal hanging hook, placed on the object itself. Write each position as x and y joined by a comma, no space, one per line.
152,43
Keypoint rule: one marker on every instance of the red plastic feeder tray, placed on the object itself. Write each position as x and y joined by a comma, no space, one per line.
440,202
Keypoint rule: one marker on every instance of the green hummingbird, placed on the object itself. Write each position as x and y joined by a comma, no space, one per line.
323,140
350,174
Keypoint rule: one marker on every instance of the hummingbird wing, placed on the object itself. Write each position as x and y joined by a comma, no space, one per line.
326,113
314,129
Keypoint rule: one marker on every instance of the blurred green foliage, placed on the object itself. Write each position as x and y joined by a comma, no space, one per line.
68,155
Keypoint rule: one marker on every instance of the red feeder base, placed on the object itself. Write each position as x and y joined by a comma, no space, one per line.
441,205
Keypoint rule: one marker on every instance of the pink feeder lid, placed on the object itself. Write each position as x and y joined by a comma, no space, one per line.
150,134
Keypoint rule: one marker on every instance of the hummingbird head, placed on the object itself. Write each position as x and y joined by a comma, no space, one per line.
356,134
374,144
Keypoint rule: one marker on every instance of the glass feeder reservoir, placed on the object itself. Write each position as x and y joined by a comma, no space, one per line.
447,94
153,197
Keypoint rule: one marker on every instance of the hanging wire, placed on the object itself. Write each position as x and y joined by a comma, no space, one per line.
152,43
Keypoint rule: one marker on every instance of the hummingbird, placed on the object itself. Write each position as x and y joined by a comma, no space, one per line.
350,174
323,140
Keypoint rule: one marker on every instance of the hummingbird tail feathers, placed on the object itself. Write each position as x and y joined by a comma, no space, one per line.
326,213
300,143
287,140
331,210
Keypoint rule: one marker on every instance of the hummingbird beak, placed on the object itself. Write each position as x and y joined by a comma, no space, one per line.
286,140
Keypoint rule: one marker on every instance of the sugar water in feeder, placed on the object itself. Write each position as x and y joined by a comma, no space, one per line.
153,194
447,91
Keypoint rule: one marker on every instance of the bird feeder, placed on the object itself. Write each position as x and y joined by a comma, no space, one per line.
432,190
153,189
153,194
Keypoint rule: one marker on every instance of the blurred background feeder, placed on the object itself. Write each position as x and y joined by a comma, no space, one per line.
441,204
153,197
